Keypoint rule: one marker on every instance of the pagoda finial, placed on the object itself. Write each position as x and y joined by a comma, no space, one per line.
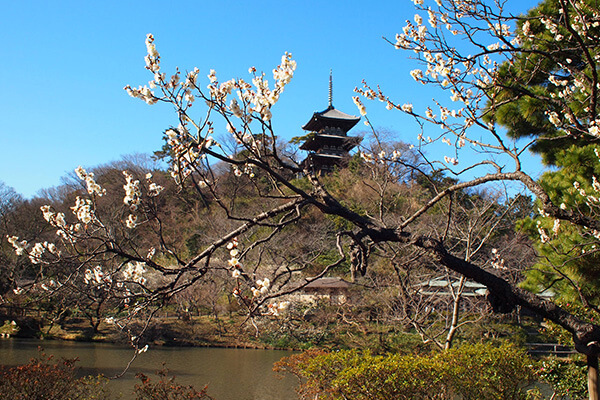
330,88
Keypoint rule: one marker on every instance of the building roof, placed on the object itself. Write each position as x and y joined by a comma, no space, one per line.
435,284
328,283
318,140
331,118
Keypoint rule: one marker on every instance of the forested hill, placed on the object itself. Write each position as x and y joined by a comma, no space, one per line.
181,221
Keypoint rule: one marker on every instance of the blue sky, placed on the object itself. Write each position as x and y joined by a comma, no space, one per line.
65,63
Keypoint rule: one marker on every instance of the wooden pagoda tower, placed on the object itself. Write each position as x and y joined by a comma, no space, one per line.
328,143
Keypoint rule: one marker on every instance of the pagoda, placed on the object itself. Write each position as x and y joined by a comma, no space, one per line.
328,143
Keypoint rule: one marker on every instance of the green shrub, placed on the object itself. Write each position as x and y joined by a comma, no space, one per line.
478,372
485,372
567,377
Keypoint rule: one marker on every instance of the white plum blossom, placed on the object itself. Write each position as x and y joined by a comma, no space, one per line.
407,107
88,177
132,191
544,238
235,108
450,160
234,262
143,349
55,219
360,105
134,271
154,189
556,226
553,118
36,253
83,210
19,246
131,221
276,309
263,285
417,74
95,276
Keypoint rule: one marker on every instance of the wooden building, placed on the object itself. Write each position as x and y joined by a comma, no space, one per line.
328,143
335,290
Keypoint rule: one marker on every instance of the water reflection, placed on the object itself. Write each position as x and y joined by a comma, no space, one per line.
231,374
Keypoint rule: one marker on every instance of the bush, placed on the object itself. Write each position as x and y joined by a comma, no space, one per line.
478,372
44,378
165,388
567,377
47,379
485,372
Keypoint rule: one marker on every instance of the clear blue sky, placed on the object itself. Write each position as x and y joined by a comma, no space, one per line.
65,63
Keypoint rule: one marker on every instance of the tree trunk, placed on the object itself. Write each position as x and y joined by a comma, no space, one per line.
455,313
592,364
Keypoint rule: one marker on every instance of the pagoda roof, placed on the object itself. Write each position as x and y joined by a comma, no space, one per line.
316,141
331,118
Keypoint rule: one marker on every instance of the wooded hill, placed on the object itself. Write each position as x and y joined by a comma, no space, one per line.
403,296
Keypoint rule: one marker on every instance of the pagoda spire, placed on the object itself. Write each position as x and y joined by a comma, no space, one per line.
330,88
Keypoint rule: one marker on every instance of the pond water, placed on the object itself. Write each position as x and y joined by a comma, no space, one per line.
231,374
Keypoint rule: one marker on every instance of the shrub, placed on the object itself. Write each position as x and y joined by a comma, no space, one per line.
48,379
485,372
478,372
567,377
165,388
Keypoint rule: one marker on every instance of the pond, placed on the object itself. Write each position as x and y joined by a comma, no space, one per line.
231,374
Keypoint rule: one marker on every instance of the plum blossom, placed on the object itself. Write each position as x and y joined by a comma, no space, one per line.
83,210
132,191
143,349
131,221
88,177
152,58
360,105
556,226
154,189
276,309
263,285
55,219
94,276
36,253
417,74
235,108
134,271
408,107
544,238
19,247
450,160
234,262
553,118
